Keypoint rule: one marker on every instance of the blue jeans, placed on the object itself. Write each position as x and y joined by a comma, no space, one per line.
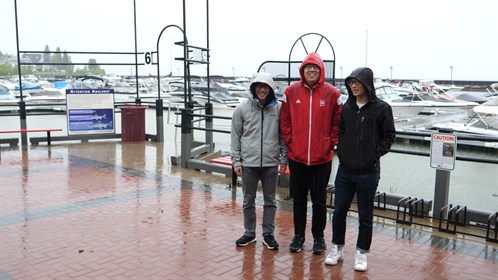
347,184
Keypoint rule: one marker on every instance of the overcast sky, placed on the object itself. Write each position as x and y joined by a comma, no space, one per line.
424,39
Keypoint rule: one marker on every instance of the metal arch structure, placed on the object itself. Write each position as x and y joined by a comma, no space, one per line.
159,101
290,62
157,53
300,39
187,112
188,102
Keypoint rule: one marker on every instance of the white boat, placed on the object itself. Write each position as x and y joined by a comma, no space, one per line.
237,88
487,113
483,120
400,106
420,104
27,88
148,89
49,98
8,103
493,88
218,95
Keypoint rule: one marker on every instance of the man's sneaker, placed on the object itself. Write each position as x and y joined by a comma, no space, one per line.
296,244
245,240
334,256
270,242
319,246
360,261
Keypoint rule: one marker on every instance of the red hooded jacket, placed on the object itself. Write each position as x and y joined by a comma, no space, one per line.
309,117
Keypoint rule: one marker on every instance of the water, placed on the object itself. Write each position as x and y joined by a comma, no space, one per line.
474,185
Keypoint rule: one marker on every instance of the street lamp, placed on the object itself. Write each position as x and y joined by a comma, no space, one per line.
341,71
233,69
451,76
391,72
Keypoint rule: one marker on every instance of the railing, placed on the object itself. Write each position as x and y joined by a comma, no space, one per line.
403,210
411,210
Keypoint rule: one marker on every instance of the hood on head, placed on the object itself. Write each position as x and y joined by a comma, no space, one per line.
264,78
313,58
366,77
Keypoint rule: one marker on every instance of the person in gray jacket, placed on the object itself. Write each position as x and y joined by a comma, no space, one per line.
258,153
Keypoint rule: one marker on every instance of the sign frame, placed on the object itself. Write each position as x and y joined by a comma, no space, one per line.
443,151
90,111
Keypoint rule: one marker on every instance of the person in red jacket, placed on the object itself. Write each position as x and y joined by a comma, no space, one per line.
309,121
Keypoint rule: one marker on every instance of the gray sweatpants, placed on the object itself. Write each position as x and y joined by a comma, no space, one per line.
250,178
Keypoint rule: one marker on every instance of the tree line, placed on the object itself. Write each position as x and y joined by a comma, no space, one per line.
58,63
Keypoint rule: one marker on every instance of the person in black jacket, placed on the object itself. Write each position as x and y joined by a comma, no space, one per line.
366,132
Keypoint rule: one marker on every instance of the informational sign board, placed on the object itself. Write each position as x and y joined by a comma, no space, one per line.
443,151
90,111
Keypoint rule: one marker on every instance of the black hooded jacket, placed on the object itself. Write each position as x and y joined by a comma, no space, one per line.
365,134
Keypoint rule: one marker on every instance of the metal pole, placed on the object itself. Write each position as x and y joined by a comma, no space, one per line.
159,120
159,101
187,134
366,48
451,75
391,72
186,149
209,106
22,105
441,191
137,100
186,74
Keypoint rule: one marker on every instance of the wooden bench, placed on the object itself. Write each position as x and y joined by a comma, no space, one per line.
226,160
47,130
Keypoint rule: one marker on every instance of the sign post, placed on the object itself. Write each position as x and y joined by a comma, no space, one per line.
443,156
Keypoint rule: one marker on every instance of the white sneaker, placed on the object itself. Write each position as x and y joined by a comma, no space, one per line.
334,256
360,261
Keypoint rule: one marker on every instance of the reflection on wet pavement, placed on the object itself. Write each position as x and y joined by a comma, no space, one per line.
119,210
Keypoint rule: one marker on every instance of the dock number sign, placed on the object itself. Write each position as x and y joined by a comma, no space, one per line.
90,111
443,151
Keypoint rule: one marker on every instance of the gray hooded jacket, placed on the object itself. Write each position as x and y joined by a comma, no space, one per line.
256,140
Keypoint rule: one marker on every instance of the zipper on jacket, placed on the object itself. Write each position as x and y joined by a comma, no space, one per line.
262,142
309,131
359,120
361,127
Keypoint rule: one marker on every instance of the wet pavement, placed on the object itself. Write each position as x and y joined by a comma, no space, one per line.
112,210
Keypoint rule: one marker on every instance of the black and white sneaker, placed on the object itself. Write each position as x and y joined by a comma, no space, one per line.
270,242
319,246
245,240
296,244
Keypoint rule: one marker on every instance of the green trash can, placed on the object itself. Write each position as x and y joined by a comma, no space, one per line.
133,123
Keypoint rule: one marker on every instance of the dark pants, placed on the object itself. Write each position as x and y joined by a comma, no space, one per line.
306,179
347,184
